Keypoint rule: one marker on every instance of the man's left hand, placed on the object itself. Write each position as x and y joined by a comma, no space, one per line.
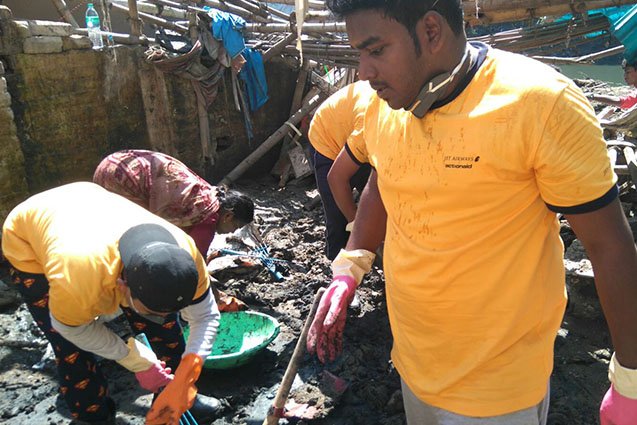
619,406
617,409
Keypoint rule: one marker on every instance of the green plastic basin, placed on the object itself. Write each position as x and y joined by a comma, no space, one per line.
241,335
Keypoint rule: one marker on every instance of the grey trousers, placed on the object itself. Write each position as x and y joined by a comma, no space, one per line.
420,413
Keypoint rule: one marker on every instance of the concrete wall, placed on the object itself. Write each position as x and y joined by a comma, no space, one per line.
64,106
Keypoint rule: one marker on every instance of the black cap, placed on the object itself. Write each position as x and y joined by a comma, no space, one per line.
159,273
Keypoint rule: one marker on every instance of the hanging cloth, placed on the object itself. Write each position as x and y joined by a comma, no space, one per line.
253,76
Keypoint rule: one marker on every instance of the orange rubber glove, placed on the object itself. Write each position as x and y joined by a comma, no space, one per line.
179,395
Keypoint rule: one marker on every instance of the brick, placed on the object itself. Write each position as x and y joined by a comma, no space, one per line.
76,42
5,99
42,44
5,13
50,28
23,29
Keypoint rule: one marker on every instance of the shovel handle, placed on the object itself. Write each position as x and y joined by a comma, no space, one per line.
286,383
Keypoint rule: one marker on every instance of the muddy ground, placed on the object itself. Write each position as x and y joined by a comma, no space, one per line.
28,392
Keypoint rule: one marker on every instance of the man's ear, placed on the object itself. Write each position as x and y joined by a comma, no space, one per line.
226,216
121,283
431,30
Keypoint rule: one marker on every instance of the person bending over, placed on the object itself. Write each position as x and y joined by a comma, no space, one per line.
166,187
78,253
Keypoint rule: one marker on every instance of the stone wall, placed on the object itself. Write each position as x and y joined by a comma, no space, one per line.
13,184
66,106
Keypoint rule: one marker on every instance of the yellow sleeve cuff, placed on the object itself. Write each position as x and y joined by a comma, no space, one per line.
139,357
624,380
354,263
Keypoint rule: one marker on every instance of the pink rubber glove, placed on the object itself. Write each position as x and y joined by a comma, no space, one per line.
325,337
155,377
617,409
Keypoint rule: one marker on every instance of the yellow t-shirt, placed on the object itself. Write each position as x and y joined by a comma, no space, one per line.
70,234
338,116
473,257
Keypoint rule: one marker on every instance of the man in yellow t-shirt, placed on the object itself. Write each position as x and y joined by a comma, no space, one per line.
78,254
334,121
474,152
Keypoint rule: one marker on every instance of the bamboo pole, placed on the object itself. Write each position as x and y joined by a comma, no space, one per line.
307,27
169,9
496,11
64,12
318,16
193,31
591,58
313,4
277,13
297,101
278,47
271,141
151,18
120,38
217,4
278,404
251,7
135,22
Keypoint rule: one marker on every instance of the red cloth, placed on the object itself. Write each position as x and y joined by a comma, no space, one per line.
628,102
203,233
164,186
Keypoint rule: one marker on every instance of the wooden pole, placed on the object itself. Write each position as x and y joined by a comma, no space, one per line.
297,101
120,38
308,27
151,18
192,26
290,372
251,7
582,59
496,11
278,47
217,4
318,16
135,22
64,12
313,4
169,9
271,141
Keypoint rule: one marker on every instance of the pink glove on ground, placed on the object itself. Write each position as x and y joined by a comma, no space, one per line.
325,337
617,409
155,377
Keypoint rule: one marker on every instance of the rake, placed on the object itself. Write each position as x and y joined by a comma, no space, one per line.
186,417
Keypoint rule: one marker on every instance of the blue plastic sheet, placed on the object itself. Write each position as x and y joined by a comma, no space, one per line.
625,30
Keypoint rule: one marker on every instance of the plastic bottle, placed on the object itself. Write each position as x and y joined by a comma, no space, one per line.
93,26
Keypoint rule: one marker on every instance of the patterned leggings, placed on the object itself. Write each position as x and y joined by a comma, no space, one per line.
82,383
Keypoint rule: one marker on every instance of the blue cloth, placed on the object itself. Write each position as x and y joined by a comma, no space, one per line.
253,75
625,30
228,28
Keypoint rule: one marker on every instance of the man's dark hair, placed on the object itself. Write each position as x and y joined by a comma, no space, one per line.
237,203
405,12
